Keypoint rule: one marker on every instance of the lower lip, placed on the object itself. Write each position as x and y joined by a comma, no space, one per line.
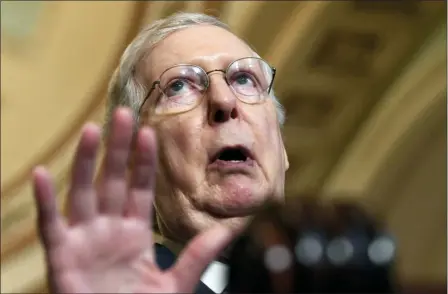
232,166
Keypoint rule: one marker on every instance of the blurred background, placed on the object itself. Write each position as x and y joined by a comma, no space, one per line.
363,83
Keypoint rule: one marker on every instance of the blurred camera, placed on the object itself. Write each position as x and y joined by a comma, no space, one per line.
313,246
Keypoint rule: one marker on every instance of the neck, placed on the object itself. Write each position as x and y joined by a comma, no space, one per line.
177,247
174,246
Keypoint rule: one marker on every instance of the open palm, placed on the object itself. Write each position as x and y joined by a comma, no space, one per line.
106,246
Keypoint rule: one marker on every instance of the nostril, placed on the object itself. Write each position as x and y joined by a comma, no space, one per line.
219,116
234,113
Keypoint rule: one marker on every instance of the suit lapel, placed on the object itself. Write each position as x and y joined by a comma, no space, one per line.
165,259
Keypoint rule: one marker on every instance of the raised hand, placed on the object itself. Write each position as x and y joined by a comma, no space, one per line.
106,246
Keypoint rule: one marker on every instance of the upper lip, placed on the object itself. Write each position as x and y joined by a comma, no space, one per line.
246,151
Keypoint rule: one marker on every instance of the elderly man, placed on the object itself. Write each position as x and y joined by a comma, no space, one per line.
204,98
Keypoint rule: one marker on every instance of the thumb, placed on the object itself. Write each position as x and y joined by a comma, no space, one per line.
199,253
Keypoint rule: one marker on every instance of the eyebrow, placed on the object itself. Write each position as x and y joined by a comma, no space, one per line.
225,61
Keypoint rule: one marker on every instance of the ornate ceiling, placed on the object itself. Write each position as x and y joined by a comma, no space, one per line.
364,85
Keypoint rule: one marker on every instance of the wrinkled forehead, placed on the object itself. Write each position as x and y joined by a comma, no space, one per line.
209,47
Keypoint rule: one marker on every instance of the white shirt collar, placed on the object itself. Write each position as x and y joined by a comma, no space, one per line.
215,276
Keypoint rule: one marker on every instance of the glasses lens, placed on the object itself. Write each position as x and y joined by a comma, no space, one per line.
250,77
182,88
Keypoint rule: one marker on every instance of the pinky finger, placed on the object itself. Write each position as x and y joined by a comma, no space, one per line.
50,224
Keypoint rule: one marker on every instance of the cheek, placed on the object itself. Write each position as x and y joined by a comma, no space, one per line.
179,144
268,134
266,126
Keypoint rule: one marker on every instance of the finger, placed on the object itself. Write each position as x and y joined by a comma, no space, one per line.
142,186
50,223
113,187
82,202
199,253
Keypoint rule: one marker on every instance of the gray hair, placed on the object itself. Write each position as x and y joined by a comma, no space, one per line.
125,89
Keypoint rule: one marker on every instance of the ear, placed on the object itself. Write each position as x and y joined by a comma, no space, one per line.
285,155
285,158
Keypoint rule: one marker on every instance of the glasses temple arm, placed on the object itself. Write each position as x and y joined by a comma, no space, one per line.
147,95
274,70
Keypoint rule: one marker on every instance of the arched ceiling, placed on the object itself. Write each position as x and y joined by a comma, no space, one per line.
362,82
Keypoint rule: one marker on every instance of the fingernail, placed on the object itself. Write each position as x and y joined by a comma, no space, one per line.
90,127
123,111
37,170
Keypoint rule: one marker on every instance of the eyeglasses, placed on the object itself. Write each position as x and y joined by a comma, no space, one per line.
183,86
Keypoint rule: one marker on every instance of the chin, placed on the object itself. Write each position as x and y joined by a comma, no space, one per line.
201,220
239,202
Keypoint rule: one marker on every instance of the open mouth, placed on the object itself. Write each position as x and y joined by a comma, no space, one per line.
233,154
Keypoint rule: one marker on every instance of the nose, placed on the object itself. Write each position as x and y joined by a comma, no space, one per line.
222,101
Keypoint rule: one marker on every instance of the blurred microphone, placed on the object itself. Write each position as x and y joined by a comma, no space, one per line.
312,246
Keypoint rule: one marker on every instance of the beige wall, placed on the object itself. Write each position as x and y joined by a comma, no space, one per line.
54,83
398,161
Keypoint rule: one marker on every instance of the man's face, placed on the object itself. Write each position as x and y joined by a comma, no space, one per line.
195,189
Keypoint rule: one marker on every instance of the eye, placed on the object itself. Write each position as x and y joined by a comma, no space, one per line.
245,83
244,79
178,87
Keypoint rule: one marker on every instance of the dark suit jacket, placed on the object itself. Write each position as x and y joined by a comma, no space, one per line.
165,259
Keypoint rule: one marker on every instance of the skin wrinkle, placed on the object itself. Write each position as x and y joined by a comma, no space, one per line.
187,192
